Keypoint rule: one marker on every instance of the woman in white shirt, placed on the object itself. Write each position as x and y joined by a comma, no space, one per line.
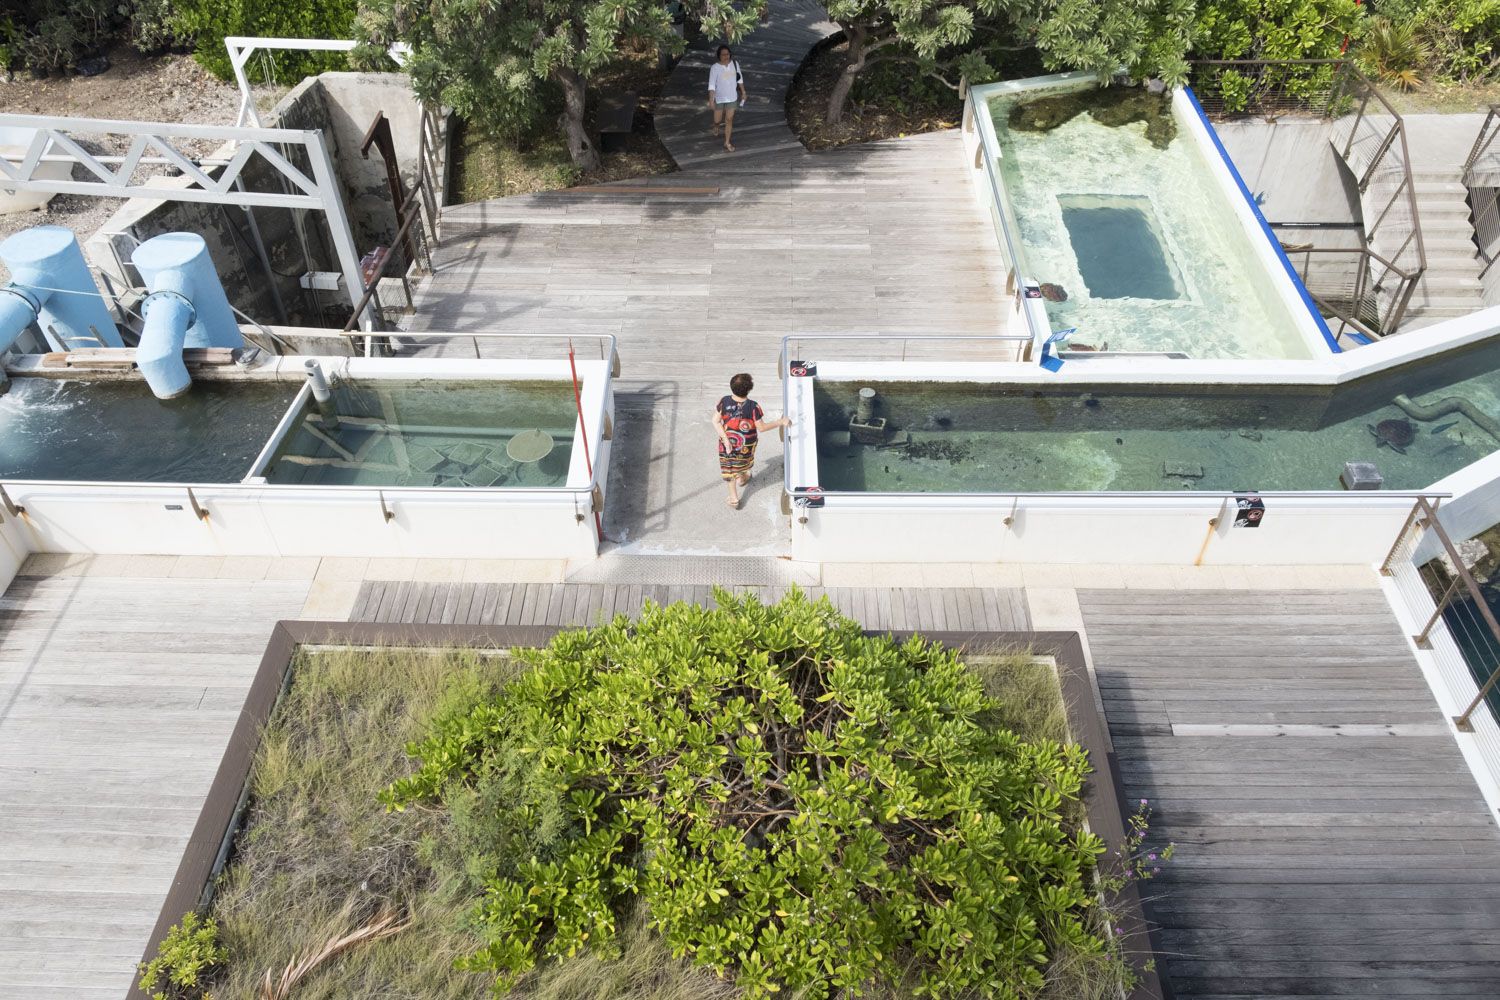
726,86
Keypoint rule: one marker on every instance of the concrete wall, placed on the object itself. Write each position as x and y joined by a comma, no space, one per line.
1292,170
341,106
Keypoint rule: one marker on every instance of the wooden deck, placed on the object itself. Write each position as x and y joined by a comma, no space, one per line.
116,698
768,57
995,609
1331,841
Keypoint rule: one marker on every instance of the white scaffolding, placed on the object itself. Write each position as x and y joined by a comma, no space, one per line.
215,181
241,48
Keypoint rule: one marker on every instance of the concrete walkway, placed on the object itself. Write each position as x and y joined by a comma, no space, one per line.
769,58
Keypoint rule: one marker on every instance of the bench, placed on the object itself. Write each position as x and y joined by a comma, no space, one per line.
616,119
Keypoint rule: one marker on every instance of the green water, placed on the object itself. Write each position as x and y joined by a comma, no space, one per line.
1222,302
117,431
970,437
425,434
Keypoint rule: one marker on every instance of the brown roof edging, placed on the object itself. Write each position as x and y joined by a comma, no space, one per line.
1104,801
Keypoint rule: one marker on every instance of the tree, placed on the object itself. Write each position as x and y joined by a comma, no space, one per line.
493,61
950,38
794,803
1273,30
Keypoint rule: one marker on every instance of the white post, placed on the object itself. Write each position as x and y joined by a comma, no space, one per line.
239,54
338,222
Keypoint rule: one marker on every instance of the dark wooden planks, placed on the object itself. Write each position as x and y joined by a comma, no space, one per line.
934,609
1331,840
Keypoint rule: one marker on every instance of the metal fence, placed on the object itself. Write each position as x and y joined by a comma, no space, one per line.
1482,178
1454,617
1365,286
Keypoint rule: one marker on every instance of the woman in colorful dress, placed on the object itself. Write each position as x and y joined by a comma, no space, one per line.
738,419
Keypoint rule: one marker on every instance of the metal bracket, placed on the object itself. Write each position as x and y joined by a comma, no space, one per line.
198,510
385,511
13,509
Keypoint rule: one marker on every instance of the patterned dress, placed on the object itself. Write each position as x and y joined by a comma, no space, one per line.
739,418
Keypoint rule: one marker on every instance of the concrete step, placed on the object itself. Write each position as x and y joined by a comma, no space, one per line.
1427,188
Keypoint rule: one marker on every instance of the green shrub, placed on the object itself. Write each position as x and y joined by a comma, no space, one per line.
795,805
209,22
1462,36
188,952
1272,30
50,36
155,27
1394,53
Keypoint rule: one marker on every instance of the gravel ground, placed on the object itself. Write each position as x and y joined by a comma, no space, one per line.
135,87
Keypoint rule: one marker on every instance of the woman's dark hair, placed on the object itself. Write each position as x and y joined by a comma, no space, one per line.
741,384
723,49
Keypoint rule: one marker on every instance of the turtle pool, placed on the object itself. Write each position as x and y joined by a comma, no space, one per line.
389,432
1416,424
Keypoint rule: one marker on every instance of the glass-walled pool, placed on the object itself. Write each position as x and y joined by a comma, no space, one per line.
385,432
1417,424
1131,231
118,431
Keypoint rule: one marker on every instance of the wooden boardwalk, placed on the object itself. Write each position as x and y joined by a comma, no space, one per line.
937,609
769,58
117,697
1331,841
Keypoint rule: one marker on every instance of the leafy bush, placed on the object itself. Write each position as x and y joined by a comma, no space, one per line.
1272,30
52,35
155,27
186,955
793,803
1394,53
1462,36
209,22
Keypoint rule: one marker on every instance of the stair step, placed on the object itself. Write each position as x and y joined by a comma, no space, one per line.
1424,188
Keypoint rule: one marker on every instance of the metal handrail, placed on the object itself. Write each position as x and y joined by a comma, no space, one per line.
1484,200
408,217
1348,79
1424,516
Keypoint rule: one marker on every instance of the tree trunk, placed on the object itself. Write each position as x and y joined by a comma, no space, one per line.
854,62
585,155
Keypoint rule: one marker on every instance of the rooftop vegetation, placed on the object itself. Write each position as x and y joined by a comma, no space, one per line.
711,803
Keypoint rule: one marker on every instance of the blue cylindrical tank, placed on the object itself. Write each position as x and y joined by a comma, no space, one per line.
179,262
47,266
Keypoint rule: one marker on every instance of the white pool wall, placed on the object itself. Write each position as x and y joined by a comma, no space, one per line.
983,152
252,518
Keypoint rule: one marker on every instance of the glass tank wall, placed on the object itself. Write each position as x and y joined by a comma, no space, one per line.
427,433
1417,424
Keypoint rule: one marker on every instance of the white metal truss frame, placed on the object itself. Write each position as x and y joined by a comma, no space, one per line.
218,182
241,48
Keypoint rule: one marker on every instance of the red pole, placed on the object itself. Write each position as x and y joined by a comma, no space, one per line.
583,431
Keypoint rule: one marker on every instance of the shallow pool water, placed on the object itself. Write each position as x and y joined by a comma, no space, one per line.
426,433
1164,264
970,437
117,431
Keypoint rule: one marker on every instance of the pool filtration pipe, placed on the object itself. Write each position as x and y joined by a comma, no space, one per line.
51,286
321,392
185,307
864,410
1444,407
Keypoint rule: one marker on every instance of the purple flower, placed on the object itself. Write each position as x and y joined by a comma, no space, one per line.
1144,801
1156,870
1151,856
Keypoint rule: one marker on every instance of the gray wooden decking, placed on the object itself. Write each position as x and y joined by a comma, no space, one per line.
768,57
937,609
1331,841
116,699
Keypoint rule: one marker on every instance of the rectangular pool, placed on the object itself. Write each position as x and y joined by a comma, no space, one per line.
451,433
1417,424
118,431
1112,200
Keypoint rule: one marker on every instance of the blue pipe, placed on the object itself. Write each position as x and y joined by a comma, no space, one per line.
186,307
52,287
